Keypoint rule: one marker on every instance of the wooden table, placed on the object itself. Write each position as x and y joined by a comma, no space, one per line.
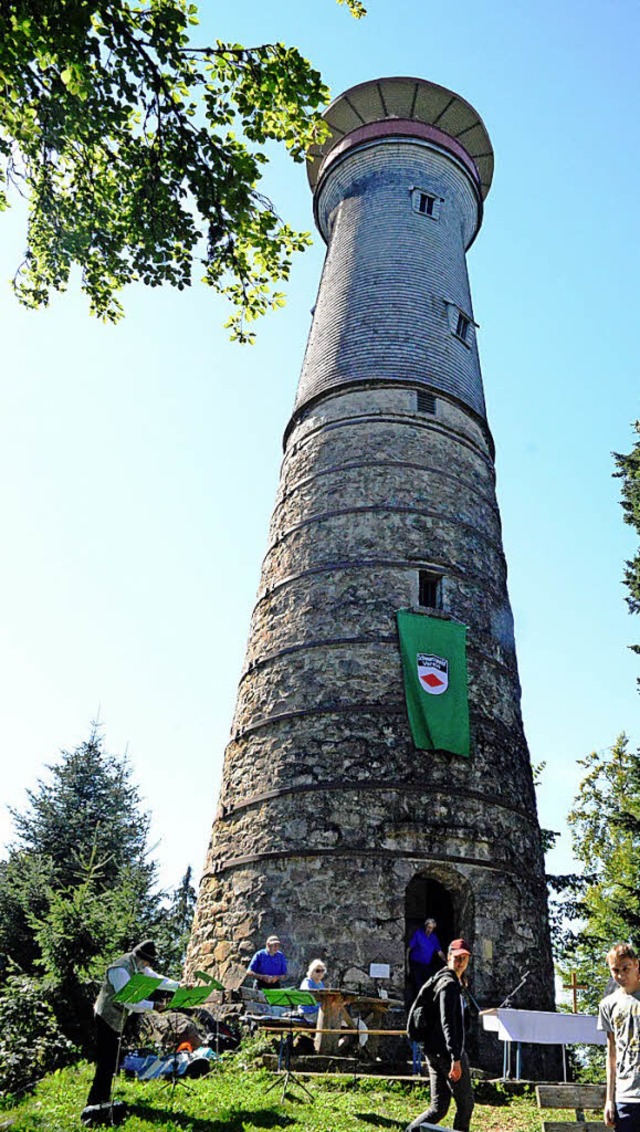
335,1020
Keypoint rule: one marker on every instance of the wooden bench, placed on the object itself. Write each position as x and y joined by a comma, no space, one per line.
577,1097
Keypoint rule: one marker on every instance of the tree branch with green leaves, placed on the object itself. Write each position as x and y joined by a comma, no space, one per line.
140,154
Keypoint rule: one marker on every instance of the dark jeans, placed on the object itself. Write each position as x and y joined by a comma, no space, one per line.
628,1117
443,1089
106,1057
420,972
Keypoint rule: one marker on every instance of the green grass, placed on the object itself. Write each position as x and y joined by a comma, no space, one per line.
232,1099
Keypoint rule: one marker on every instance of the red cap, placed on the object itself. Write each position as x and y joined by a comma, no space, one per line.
459,947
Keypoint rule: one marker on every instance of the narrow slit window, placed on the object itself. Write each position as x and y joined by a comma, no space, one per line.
429,589
461,324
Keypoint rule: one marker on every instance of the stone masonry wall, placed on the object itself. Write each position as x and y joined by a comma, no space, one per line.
326,809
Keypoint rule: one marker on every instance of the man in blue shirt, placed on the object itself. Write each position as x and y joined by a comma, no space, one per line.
268,965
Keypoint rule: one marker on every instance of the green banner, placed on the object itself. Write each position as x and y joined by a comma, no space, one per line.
434,665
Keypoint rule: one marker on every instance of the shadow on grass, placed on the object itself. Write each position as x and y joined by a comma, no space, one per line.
229,1121
380,1121
494,1094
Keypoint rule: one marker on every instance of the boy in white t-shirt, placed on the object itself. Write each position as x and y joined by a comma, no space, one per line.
619,1017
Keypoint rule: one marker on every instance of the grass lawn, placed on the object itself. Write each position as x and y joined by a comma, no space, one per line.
232,1099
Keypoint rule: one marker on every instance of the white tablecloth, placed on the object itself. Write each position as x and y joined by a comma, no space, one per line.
542,1027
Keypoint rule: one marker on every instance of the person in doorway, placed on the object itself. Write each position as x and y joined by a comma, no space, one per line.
424,955
619,1017
110,1016
268,965
443,1043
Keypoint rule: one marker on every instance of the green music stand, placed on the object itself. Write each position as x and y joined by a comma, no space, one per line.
188,998
192,996
290,997
141,986
137,988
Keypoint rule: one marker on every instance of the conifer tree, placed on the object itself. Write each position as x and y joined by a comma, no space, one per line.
605,828
174,928
89,809
78,886
629,472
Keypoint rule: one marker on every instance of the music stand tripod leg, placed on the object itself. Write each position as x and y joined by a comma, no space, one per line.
117,1065
286,1045
289,1075
279,1069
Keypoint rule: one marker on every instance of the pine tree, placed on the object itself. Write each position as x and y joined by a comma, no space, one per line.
605,826
172,934
78,886
89,810
629,472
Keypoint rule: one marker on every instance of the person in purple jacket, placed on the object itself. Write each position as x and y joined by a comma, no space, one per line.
423,953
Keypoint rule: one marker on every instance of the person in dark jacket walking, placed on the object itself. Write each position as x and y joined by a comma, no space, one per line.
443,1043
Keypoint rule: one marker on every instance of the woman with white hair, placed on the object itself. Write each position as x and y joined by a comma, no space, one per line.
313,981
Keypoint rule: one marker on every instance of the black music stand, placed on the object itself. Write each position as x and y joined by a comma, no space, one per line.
291,998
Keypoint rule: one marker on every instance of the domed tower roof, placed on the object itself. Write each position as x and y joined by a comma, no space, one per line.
410,107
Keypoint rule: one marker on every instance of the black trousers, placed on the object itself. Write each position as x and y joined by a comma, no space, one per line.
420,972
106,1058
443,1089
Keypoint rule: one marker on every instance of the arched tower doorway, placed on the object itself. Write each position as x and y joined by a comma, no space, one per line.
425,897
443,895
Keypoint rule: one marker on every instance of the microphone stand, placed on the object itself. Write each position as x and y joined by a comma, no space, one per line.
506,1005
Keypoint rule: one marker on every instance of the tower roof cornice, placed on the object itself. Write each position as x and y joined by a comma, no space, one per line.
406,106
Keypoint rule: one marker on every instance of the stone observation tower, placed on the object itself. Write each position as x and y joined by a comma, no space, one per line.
332,829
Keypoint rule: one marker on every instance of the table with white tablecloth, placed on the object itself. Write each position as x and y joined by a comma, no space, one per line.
539,1027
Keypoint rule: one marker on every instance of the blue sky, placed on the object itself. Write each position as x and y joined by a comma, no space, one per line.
139,463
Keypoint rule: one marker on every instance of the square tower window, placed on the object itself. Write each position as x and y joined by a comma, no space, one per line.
425,402
429,589
427,204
